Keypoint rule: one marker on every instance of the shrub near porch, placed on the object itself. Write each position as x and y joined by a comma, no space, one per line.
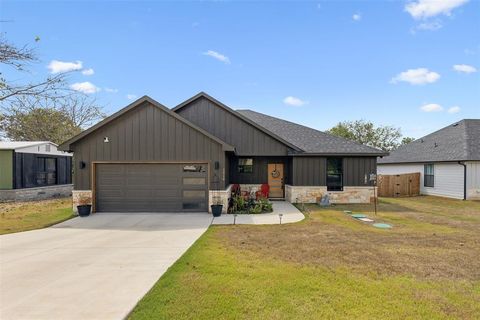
331,266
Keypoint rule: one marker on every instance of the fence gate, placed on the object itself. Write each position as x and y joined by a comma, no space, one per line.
399,185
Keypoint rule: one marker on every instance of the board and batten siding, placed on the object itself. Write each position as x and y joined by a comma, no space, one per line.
260,170
448,177
248,140
473,180
146,133
312,171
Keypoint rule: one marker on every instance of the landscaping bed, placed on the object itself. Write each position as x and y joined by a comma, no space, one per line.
250,205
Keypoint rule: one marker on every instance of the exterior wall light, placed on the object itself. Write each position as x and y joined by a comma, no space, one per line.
105,140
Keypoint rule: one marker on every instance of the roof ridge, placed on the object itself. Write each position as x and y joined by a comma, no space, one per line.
135,104
316,130
237,114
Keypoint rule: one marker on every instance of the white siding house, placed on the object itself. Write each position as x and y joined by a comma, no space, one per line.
452,152
448,177
473,180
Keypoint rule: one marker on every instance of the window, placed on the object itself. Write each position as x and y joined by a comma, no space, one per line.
193,194
194,168
245,165
334,174
195,181
428,175
46,171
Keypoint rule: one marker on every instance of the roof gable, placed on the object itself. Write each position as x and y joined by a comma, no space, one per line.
459,141
238,115
310,140
66,145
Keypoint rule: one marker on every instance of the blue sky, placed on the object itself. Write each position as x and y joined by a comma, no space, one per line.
314,63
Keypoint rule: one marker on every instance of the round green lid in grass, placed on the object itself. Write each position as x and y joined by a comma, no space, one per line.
359,215
382,225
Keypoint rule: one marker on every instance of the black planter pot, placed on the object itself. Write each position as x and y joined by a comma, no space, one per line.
217,209
84,210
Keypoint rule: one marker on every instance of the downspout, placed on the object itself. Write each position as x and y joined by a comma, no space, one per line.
464,179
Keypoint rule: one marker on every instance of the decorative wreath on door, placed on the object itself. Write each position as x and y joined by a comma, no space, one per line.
275,173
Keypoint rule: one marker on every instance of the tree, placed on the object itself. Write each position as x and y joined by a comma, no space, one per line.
40,124
19,58
47,119
365,132
43,110
406,140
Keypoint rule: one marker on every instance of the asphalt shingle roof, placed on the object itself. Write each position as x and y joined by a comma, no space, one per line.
308,139
459,141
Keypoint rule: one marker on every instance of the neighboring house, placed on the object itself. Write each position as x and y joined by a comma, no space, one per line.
448,161
31,170
147,157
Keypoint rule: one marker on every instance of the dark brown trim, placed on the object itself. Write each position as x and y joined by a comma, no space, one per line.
93,174
65,146
237,114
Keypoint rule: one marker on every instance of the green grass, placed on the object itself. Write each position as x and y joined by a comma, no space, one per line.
331,266
23,216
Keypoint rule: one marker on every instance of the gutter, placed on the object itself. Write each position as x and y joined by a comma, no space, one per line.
462,163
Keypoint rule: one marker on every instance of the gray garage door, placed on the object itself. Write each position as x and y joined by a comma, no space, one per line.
151,187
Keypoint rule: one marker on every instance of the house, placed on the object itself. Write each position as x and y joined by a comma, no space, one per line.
32,170
448,161
147,157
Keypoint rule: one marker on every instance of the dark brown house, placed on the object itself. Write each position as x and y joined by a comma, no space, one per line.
147,157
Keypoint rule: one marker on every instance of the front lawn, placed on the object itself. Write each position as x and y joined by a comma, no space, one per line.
23,216
331,266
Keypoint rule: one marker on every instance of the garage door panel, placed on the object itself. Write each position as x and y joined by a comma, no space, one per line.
151,187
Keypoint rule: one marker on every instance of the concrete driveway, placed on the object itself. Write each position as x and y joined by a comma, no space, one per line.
91,268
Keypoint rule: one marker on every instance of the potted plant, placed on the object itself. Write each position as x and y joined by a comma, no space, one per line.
84,207
217,206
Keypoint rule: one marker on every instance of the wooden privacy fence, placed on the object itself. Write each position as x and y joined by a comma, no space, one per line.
399,185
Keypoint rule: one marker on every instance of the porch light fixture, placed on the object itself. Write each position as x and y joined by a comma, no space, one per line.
82,164
105,140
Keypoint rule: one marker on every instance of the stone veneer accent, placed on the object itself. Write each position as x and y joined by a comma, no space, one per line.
81,197
304,194
38,193
223,195
313,194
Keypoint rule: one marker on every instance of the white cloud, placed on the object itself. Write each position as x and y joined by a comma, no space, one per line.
131,96
357,17
422,9
111,90
85,87
465,68
431,107
56,66
455,109
431,26
88,72
293,101
416,76
218,56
